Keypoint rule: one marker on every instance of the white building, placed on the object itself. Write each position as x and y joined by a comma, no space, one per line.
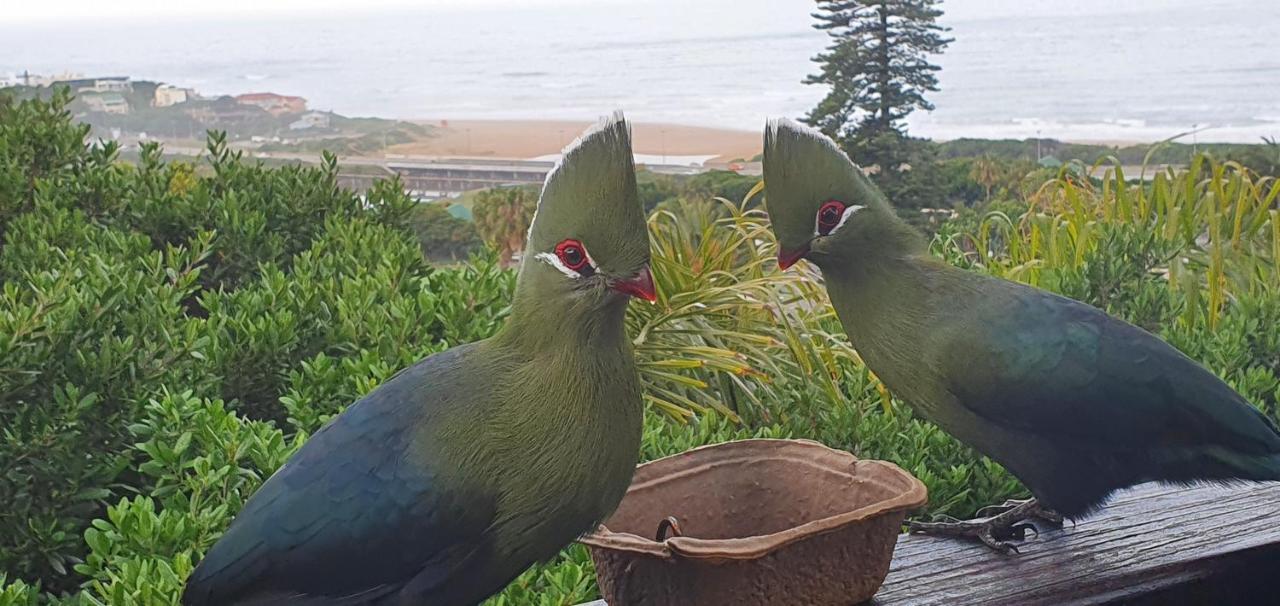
167,94
310,120
117,84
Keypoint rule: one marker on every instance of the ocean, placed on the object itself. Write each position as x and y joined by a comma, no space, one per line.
1081,70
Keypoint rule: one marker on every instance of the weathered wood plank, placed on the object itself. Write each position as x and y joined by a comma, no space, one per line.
1150,541
1151,545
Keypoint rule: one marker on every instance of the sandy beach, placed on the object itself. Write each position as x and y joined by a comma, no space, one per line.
679,144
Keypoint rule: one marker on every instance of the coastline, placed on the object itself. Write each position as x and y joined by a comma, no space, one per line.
528,139
653,142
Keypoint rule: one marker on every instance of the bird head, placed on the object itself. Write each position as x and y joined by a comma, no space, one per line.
588,244
819,201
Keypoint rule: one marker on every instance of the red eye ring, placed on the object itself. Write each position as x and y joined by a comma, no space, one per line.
573,255
829,216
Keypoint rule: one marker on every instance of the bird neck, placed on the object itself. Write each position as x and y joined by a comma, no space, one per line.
884,291
876,256
874,287
890,236
573,386
536,326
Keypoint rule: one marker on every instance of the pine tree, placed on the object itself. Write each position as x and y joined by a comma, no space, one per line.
878,70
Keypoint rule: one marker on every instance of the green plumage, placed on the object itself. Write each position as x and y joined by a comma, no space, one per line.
1073,402
451,478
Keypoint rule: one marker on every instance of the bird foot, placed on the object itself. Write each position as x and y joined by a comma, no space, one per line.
1012,521
1034,511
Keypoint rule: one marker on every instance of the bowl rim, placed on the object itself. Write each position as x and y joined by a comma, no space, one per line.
912,496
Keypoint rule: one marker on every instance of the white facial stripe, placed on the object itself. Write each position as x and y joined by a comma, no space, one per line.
848,212
554,261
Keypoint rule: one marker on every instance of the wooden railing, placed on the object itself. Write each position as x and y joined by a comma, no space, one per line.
1211,545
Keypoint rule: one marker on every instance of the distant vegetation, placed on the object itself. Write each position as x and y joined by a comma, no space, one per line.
442,236
353,137
1262,157
877,70
664,191
190,119
170,334
501,215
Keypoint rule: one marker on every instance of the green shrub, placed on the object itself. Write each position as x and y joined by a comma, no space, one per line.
85,336
115,281
444,237
203,462
18,593
171,333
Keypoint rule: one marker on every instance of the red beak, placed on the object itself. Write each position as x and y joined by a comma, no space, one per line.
787,258
639,285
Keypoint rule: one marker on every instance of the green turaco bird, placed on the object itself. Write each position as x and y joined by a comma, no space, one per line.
445,482
1073,402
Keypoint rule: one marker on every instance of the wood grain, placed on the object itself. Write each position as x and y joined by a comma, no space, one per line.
1149,541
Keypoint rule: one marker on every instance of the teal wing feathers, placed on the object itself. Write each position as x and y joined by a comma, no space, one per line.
1047,365
352,516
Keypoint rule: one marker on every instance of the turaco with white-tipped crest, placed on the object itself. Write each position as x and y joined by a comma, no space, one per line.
445,482
1073,402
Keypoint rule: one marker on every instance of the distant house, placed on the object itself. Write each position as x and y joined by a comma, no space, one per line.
310,120
108,103
167,94
118,84
114,84
276,104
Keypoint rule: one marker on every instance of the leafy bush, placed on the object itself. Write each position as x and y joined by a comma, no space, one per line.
443,236
203,462
120,282
170,334
18,593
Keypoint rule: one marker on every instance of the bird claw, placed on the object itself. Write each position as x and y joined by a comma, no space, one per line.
1016,519
988,538
1019,531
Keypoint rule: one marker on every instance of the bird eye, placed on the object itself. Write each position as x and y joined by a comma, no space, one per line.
573,255
829,216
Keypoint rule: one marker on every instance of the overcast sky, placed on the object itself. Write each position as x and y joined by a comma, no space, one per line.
20,10
15,11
